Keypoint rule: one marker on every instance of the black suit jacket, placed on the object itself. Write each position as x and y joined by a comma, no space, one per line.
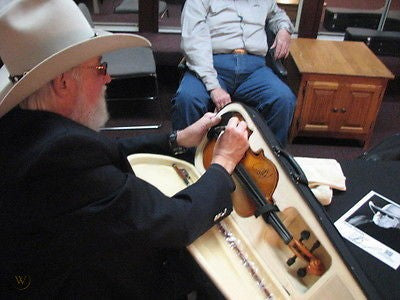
76,222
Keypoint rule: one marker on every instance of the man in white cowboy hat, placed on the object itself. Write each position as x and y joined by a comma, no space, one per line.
75,221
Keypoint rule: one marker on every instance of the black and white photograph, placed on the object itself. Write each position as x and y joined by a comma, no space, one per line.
373,224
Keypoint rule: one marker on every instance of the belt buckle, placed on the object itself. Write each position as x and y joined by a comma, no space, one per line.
239,51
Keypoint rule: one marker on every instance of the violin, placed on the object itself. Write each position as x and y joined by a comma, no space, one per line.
259,177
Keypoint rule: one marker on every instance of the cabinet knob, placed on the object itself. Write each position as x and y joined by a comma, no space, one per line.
343,109
335,109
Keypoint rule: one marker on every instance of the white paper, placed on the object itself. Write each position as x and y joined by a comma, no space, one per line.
380,214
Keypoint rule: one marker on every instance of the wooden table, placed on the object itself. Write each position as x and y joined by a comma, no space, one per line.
339,85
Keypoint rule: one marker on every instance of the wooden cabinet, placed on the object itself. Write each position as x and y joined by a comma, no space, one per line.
339,109
335,104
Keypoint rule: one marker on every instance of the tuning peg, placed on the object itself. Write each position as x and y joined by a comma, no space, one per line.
291,260
304,235
315,246
302,272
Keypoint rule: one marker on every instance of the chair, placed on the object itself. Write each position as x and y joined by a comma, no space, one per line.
275,64
132,6
134,77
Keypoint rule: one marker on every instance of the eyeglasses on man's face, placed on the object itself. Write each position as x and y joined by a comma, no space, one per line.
101,68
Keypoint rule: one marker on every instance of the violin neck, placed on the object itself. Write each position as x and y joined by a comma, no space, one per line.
259,200
276,223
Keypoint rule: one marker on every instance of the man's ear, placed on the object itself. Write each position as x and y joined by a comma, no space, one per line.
64,85
65,89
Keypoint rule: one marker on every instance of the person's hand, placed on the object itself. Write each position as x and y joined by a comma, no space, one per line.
231,145
192,135
220,98
281,44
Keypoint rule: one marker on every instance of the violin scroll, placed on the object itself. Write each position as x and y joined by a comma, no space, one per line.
314,265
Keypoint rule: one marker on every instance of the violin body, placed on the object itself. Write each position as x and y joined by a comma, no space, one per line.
244,254
264,174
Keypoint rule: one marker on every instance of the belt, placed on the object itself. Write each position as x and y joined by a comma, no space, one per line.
239,51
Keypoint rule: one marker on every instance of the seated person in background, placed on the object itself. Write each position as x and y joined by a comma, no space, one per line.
225,44
75,221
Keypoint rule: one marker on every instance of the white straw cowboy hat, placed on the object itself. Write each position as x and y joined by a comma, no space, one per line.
40,39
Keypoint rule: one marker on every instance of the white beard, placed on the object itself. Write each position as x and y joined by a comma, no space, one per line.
99,116
93,117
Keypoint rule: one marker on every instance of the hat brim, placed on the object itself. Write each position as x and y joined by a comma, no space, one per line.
62,61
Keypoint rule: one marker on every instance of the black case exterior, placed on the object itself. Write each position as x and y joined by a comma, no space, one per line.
380,42
363,176
338,19
299,180
387,150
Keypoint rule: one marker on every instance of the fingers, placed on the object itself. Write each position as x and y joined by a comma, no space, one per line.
235,122
282,42
240,126
221,102
231,144
220,98
212,119
281,49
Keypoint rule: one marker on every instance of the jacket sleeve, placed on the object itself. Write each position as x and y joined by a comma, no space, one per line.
179,220
84,185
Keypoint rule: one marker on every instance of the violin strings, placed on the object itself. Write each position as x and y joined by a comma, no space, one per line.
234,244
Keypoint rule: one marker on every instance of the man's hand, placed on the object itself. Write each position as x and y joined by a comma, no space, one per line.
231,145
281,44
220,98
192,135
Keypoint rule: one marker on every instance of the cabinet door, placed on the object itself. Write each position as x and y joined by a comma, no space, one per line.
319,100
358,106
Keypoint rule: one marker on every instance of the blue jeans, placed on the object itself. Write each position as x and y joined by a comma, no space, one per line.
248,80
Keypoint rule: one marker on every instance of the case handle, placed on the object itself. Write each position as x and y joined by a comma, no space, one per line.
298,174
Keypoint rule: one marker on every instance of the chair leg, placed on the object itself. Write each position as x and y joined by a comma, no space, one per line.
139,127
165,12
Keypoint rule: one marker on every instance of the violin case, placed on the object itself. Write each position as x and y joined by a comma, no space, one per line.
244,256
338,19
382,43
